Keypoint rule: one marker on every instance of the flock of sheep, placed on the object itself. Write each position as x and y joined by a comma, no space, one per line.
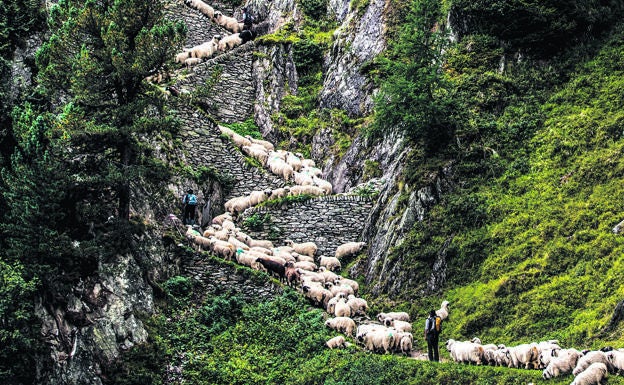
195,55
298,265
588,367
291,167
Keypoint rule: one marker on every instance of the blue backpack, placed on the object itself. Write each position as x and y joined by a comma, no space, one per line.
191,199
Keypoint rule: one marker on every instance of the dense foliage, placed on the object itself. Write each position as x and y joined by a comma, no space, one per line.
218,340
75,150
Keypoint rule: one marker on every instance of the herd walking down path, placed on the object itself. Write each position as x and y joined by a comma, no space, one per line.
306,243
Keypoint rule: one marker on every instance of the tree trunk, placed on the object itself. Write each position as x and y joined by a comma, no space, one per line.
124,187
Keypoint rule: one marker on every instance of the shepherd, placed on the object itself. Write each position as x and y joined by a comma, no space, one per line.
433,327
247,20
190,204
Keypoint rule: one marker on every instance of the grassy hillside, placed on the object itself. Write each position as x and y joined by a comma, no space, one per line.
553,267
536,145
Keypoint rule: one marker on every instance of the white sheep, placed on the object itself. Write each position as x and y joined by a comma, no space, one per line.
318,294
238,244
257,153
257,197
616,358
294,161
336,342
310,190
312,171
346,281
230,42
303,179
264,143
443,311
258,242
220,218
344,290
359,306
281,192
245,258
241,205
305,248
590,358
202,7
400,339
328,276
331,263
342,309
364,329
306,265
303,258
401,316
239,140
348,249
323,185
401,326
308,163
524,355
224,249
182,56
341,324
593,375
227,22
331,305
379,340
562,364
205,50
465,352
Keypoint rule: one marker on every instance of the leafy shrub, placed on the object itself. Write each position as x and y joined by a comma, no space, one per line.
314,9
179,286
256,221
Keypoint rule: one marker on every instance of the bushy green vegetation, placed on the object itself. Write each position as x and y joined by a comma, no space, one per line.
221,340
527,230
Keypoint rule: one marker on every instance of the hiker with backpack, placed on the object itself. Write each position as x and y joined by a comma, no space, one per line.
433,327
247,20
190,204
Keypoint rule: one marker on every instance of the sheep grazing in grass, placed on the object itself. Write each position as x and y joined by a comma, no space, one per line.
378,340
591,357
336,343
563,364
342,325
349,282
359,306
595,374
317,294
292,274
524,356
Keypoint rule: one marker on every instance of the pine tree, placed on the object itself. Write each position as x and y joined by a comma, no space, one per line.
97,59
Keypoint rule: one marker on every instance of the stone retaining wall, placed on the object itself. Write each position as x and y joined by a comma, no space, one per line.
327,221
220,278
205,147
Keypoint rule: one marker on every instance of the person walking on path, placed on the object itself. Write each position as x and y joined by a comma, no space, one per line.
433,327
190,204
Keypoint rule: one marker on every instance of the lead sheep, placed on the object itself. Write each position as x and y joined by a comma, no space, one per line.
342,325
562,364
348,249
305,248
465,352
595,374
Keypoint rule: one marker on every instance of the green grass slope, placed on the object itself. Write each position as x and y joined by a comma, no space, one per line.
553,267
